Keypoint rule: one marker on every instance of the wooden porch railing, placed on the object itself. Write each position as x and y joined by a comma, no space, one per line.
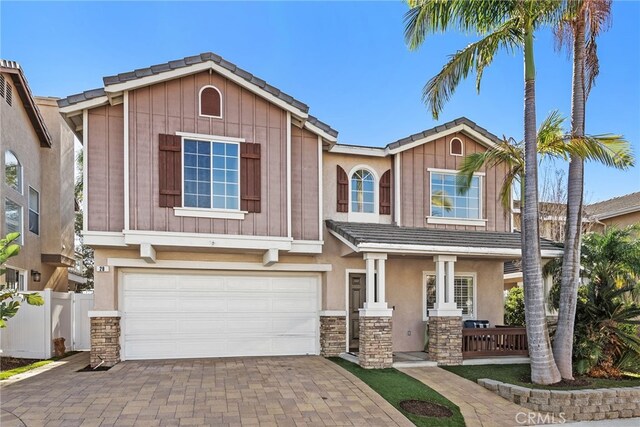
492,342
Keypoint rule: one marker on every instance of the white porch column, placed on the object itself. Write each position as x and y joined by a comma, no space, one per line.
376,304
445,272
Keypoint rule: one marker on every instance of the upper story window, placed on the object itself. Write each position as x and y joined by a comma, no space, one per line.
13,218
12,171
362,191
211,178
210,102
448,200
456,148
34,211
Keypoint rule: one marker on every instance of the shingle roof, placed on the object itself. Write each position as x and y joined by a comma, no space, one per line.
511,267
358,233
81,97
322,125
440,128
22,87
606,208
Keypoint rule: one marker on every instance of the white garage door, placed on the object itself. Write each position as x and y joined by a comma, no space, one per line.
219,315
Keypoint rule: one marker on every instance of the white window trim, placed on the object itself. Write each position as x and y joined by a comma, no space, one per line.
200,102
425,274
22,272
210,212
19,190
365,216
478,222
29,209
20,240
461,145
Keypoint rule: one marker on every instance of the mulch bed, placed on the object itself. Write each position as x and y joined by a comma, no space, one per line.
425,409
9,363
577,382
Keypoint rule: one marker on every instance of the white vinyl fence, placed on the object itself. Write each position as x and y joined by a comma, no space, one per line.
31,332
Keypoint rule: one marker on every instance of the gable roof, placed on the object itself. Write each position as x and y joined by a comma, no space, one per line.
19,80
616,206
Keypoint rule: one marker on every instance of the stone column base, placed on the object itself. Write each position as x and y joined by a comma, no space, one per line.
445,340
333,335
376,350
105,341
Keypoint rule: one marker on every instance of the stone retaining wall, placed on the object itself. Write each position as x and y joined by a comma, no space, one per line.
333,335
105,341
579,405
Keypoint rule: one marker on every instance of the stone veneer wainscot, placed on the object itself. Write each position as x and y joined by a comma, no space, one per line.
105,341
376,349
445,340
333,335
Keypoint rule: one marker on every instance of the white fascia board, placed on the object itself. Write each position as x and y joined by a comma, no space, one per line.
103,238
203,66
202,240
306,247
315,129
513,276
459,128
361,151
445,250
215,265
90,103
345,241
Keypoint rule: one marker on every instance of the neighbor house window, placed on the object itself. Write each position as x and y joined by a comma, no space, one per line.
463,293
455,147
362,191
449,200
12,171
13,218
34,211
211,178
210,102
14,279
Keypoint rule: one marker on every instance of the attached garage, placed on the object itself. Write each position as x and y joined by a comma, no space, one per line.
186,315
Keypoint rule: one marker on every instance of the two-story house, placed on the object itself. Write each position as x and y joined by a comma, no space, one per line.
228,221
37,199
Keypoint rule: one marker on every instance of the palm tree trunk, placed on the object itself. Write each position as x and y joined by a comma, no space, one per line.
543,367
563,342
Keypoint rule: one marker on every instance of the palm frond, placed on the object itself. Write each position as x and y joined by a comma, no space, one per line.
608,149
550,134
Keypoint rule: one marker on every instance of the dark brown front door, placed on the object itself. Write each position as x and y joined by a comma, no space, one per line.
357,297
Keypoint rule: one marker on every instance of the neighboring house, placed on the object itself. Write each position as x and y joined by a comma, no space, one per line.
36,149
228,221
620,211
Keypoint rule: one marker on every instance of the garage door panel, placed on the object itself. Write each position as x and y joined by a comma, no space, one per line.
217,315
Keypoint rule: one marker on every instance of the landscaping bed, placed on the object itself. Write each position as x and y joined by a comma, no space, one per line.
401,391
520,375
10,366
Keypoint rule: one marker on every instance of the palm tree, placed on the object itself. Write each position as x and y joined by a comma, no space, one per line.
508,25
584,21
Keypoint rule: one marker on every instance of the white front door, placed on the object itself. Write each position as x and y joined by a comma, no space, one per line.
185,315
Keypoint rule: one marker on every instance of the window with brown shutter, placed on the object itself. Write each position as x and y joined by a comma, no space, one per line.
170,171
342,190
210,102
250,175
385,193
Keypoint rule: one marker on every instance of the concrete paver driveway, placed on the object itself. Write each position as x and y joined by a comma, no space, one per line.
269,391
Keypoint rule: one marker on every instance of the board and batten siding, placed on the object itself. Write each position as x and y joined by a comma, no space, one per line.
415,188
305,207
172,106
105,169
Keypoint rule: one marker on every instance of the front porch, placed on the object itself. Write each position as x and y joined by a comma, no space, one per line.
408,304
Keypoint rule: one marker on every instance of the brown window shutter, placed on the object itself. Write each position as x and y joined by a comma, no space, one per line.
250,177
170,171
385,193
342,191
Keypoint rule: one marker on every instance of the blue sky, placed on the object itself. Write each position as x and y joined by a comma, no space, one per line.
347,61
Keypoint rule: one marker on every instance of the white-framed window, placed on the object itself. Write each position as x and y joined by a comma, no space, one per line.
34,211
464,293
210,102
449,203
211,174
13,218
15,279
363,191
13,171
456,147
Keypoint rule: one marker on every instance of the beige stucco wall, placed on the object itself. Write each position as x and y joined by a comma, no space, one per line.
623,220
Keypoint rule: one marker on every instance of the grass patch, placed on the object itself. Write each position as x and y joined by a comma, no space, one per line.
8,374
395,386
520,375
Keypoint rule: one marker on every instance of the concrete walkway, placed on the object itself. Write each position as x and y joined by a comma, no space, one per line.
479,406
265,391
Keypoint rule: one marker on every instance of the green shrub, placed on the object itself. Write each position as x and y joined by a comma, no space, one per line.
514,307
